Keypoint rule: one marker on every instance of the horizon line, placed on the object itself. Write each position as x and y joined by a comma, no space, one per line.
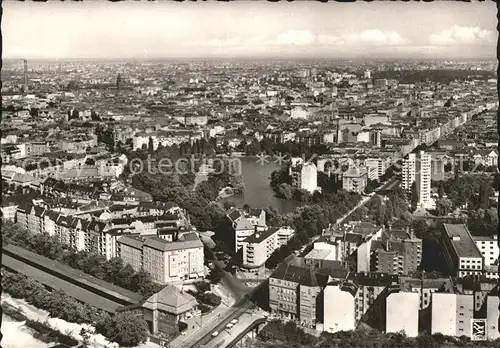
258,58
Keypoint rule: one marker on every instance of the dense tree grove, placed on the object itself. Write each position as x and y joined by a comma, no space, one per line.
471,193
175,183
57,303
310,220
125,329
113,271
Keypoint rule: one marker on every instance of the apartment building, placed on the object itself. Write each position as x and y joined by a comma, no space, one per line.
417,169
379,164
425,288
304,176
452,314
165,261
341,297
258,247
402,313
461,252
492,315
355,179
359,297
242,225
294,292
331,244
397,252
488,247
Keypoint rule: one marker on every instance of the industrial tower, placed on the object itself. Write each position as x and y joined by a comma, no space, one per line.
25,76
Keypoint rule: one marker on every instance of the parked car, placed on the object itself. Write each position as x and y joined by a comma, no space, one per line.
215,333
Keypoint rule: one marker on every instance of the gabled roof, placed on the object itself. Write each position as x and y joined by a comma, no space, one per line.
171,300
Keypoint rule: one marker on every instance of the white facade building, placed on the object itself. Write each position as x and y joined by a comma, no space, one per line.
342,318
417,168
488,247
305,176
452,314
402,313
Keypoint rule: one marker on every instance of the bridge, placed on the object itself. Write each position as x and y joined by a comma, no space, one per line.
255,325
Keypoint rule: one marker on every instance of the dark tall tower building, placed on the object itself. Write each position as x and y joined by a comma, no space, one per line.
25,76
118,83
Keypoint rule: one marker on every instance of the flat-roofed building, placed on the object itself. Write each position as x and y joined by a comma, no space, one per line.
452,314
402,313
492,316
461,252
165,261
488,247
342,298
258,247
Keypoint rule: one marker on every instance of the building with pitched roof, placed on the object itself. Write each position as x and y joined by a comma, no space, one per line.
163,310
294,292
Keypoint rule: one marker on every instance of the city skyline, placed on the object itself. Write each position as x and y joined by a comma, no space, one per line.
157,30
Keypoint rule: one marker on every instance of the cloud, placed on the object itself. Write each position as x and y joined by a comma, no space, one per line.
330,40
235,41
296,37
303,38
458,35
378,37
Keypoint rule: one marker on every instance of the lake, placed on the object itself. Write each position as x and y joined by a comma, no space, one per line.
258,192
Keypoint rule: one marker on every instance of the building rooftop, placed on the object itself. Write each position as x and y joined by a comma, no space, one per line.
461,240
318,254
187,241
260,236
171,300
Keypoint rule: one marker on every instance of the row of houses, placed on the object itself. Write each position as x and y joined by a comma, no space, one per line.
328,298
161,243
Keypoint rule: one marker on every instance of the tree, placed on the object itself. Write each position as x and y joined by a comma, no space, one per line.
443,207
151,147
389,212
215,275
441,191
420,228
414,197
123,328
484,194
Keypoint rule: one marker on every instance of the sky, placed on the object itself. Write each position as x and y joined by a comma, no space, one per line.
246,29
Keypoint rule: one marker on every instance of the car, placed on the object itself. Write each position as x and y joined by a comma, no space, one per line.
229,325
215,333
234,321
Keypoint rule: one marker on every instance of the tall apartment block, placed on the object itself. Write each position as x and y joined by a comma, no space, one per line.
304,176
417,168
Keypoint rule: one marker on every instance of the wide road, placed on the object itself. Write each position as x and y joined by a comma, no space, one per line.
218,322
